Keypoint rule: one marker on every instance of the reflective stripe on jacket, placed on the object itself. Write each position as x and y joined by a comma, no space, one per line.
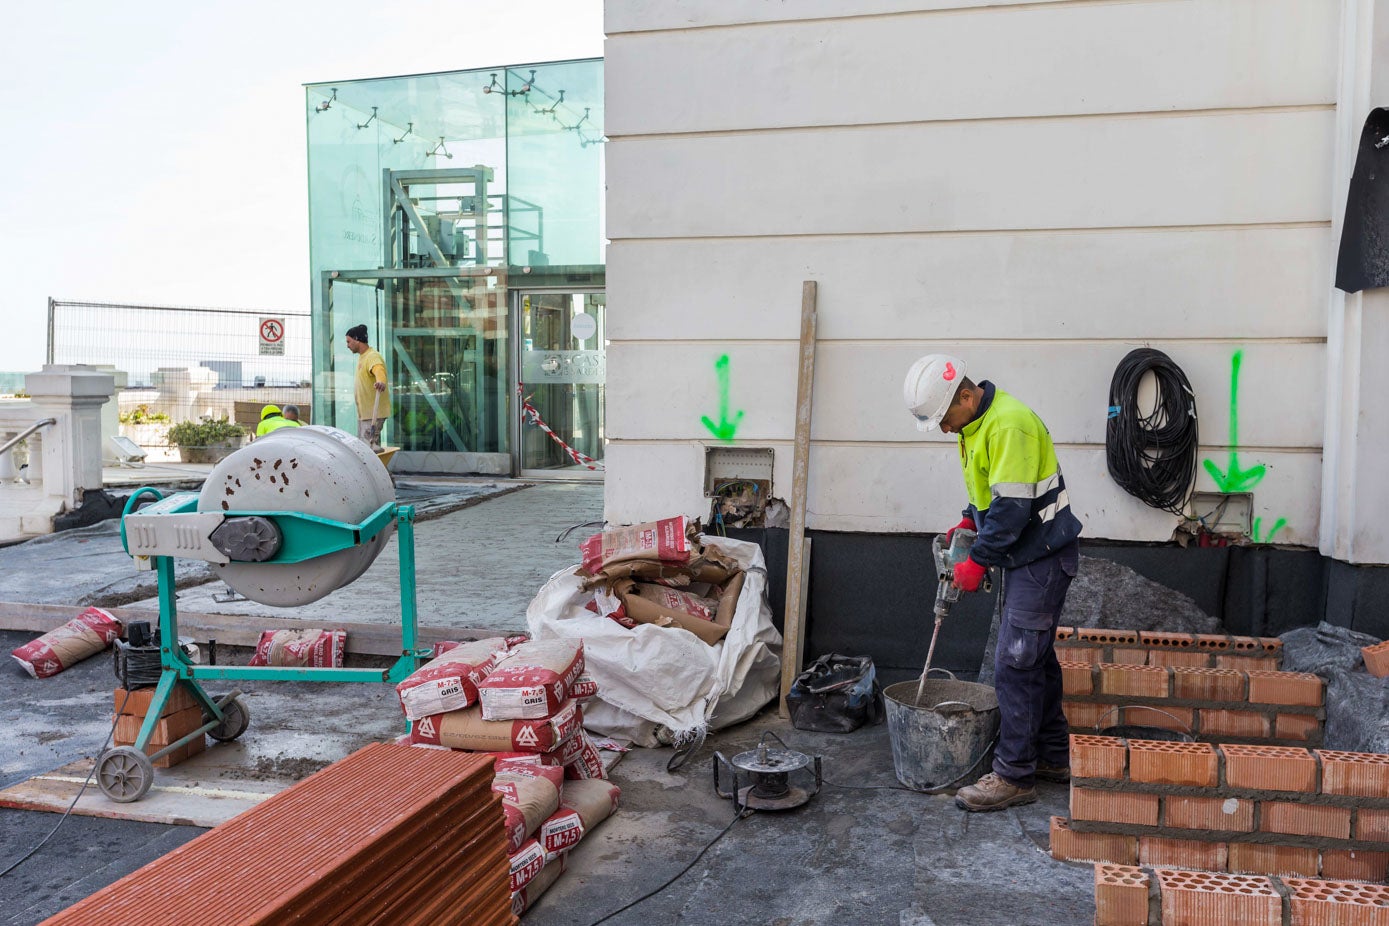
1017,496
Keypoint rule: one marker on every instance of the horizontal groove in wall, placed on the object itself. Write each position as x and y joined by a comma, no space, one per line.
986,120
897,14
914,445
963,342
976,232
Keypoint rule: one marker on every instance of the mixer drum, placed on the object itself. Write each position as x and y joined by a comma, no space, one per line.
313,470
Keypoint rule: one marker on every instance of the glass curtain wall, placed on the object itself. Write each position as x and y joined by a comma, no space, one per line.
430,196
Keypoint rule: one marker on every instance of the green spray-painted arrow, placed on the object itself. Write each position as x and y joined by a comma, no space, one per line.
1234,479
724,429
1268,538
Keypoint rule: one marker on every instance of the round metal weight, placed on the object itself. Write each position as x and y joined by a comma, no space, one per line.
235,719
125,774
312,470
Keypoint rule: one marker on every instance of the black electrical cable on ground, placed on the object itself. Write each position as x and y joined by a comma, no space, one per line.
1152,457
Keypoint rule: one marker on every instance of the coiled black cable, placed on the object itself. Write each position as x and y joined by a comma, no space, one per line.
1152,457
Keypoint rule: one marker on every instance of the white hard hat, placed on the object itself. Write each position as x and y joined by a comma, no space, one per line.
931,384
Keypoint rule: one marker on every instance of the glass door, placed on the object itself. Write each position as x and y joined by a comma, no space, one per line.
562,369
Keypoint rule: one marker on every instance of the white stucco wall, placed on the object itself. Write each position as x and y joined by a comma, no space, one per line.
1037,187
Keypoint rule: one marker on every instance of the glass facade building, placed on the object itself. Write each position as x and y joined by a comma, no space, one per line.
459,216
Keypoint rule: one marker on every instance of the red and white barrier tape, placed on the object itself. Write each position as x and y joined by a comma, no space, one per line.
533,414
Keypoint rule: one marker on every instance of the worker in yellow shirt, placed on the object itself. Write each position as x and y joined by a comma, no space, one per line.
272,419
372,391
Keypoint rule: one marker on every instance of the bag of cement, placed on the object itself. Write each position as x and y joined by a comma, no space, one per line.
673,599
521,900
588,763
584,688
532,680
582,806
465,729
527,802
85,635
648,676
449,682
668,540
526,863
668,607
709,565
302,649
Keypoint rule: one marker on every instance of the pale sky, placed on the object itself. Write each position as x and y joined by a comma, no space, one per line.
153,152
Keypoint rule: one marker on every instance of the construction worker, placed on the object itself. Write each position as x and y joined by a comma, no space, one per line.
1018,505
272,419
291,413
372,392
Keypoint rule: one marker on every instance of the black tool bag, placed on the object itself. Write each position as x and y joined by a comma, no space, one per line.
836,694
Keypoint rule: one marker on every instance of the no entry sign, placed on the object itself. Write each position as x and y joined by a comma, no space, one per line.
272,336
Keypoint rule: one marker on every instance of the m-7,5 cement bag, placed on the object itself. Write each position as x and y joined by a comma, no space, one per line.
582,806
532,680
85,635
302,649
522,899
448,682
466,729
527,801
666,540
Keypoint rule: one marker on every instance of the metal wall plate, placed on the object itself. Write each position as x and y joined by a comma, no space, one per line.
733,464
1223,512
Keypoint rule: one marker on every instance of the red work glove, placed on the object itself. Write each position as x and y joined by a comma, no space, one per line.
968,575
966,523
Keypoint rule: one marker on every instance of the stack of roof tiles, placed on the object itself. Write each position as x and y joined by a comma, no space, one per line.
391,834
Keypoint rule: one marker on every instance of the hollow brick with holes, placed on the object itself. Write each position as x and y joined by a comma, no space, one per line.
1064,632
1327,902
1297,727
1082,715
1274,859
1213,898
1121,895
1220,722
1205,684
1215,642
1246,663
1097,756
1129,655
1355,865
1157,639
1162,762
1304,819
1068,845
1135,681
1161,852
1227,814
1377,659
1269,768
1291,688
1096,635
1114,806
1191,659
1371,824
1361,774
1077,678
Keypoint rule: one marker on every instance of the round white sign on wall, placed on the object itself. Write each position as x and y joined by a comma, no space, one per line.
583,326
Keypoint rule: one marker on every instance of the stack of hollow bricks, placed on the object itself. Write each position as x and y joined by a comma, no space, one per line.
1218,688
180,717
1281,835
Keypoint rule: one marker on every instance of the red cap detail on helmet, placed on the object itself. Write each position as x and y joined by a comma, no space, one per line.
949,373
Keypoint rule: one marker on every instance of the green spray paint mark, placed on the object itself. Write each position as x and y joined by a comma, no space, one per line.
1234,479
724,429
1268,538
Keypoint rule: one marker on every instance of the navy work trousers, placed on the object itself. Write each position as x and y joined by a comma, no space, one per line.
1027,675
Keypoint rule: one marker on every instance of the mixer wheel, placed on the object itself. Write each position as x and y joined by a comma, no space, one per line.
235,719
125,774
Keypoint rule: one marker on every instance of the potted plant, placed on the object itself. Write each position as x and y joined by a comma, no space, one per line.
205,441
144,426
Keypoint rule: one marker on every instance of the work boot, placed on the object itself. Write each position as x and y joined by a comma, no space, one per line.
1061,773
993,792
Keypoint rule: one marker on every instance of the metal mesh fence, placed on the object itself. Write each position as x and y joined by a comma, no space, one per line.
245,348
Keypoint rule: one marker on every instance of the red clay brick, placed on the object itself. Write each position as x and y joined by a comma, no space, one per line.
1068,845
1203,898
1064,632
1299,688
1158,851
1121,896
1297,726
1135,681
138,703
1271,645
1377,659
1260,858
1082,715
1081,653
1097,757
1220,722
1197,684
1269,768
1129,655
1156,639
1354,865
1304,819
1194,659
1173,763
1372,825
166,730
1208,813
1077,678
1114,806
1096,635
1247,663
1362,774
1179,719
1337,903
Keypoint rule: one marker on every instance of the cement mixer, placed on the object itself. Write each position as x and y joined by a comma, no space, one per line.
285,521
